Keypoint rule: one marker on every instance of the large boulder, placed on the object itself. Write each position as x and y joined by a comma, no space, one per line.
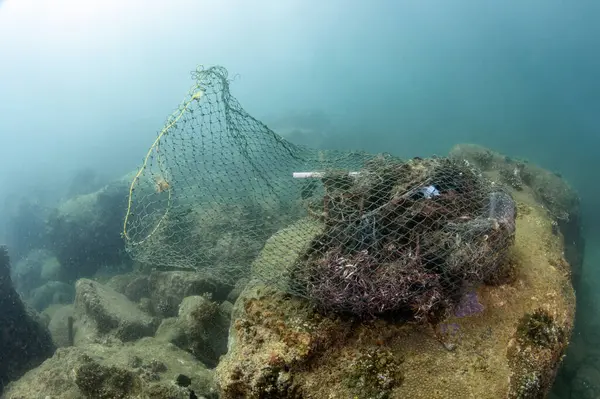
61,324
163,291
144,369
503,341
200,328
51,293
562,206
84,232
24,340
33,270
103,313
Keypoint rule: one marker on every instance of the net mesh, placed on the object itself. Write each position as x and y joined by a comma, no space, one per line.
353,232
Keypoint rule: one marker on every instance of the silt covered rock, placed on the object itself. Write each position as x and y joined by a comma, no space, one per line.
101,311
146,369
200,328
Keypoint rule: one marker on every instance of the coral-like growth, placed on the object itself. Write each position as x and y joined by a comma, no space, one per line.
540,329
376,372
95,380
538,348
290,336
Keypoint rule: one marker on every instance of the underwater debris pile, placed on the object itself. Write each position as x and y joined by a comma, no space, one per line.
405,237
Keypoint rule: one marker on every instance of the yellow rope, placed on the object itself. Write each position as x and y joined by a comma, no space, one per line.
196,96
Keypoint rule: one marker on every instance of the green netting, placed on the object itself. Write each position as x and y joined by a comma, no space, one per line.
354,232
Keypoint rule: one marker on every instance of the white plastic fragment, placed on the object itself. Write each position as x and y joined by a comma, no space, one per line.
429,192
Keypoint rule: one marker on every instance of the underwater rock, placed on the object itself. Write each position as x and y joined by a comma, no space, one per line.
102,311
510,345
59,325
166,289
227,309
33,270
146,369
562,207
96,380
51,268
535,353
275,266
200,328
237,289
85,231
24,341
133,285
549,189
52,293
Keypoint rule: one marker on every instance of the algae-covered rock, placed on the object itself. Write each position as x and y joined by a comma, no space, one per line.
99,381
165,290
102,311
200,328
535,354
511,346
146,369
61,325
237,289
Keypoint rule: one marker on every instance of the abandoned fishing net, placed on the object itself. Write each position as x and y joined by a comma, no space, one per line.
354,233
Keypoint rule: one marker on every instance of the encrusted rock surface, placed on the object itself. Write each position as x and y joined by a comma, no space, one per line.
279,347
200,328
61,317
146,369
101,311
164,290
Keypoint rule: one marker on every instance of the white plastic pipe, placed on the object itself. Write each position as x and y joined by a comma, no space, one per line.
316,175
